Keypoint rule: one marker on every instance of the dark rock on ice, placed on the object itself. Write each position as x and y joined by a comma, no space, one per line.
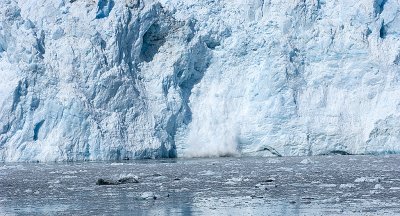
269,180
123,180
106,182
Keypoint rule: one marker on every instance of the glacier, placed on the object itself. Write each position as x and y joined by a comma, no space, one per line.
113,80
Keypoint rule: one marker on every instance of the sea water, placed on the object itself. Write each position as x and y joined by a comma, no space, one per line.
323,185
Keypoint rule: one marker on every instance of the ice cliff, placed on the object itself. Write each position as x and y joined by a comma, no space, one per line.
119,79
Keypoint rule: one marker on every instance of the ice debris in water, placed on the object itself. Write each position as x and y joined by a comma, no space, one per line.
148,196
368,179
343,186
307,161
378,187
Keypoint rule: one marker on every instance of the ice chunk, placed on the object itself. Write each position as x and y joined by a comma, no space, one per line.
368,179
148,196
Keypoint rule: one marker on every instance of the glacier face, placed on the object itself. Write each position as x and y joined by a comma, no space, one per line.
105,79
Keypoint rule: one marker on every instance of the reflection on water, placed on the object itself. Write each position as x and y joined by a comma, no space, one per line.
330,185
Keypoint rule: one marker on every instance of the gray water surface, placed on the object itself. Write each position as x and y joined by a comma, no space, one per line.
326,185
